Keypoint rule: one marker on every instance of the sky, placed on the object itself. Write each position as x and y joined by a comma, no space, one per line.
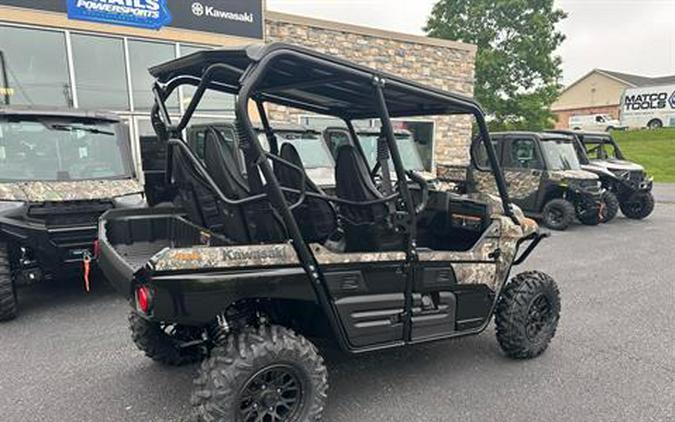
632,36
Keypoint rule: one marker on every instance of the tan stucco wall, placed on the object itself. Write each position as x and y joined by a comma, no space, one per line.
447,65
594,90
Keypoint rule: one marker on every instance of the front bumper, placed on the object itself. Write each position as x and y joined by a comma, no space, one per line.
54,248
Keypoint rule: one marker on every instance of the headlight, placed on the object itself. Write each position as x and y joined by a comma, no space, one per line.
10,205
136,200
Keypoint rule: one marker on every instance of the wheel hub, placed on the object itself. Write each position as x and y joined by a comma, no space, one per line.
273,394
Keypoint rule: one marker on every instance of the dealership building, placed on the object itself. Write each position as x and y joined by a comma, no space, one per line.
94,54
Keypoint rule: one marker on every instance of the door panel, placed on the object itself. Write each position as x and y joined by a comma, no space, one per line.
368,292
523,166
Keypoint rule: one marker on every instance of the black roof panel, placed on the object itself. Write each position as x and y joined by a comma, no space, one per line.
312,81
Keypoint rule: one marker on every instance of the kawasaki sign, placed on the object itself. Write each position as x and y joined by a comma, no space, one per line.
243,18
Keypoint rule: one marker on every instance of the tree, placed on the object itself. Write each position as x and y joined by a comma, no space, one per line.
517,75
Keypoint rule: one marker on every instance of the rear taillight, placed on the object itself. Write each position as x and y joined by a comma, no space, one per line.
143,299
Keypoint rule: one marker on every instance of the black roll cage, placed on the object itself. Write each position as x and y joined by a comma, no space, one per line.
249,80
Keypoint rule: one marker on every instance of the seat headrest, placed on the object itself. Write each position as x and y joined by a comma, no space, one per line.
352,176
222,165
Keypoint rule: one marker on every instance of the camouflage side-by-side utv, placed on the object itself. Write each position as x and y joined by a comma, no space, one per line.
627,185
544,177
239,276
59,171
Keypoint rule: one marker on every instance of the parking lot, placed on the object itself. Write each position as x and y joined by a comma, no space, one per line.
68,357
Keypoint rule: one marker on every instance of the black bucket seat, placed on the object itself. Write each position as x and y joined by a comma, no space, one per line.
315,217
367,228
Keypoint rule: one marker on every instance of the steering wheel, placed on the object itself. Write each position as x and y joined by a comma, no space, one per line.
424,186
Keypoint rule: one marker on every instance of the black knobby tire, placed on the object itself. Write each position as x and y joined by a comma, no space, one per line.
159,345
233,384
610,207
527,315
8,302
558,214
638,205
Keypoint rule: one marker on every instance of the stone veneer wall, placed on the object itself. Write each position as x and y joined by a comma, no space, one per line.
442,64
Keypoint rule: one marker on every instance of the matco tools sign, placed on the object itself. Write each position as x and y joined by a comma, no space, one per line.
242,18
151,14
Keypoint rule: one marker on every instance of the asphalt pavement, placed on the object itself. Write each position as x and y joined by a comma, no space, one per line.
68,357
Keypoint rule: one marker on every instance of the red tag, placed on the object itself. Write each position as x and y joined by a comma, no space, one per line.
86,263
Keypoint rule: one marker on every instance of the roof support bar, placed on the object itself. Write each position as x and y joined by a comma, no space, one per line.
411,223
269,133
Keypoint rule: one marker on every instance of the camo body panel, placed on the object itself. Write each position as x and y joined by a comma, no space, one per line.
223,257
68,191
521,184
561,175
503,234
325,256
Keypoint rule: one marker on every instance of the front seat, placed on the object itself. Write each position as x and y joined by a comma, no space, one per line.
367,228
316,217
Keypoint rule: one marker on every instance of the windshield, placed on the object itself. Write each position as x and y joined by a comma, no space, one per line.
61,150
406,146
560,154
313,151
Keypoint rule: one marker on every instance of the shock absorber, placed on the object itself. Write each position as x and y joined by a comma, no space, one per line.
219,330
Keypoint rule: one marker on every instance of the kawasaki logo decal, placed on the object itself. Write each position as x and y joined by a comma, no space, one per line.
243,254
150,14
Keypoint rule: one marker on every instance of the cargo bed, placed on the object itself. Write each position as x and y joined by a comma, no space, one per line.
130,238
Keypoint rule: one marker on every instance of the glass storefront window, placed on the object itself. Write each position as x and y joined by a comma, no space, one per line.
35,68
142,56
100,72
213,102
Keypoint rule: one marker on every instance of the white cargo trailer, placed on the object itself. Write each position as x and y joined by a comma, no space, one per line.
652,107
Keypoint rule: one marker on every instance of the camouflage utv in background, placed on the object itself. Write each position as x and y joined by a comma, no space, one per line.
59,171
544,177
627,185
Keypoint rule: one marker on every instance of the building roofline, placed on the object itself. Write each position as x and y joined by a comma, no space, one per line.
363,30
609,75
589,73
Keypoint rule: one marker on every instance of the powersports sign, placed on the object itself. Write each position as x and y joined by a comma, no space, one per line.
243,18
655,100
151,14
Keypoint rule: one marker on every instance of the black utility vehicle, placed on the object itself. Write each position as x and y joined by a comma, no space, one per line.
59,171
627,184
239,277
544,178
